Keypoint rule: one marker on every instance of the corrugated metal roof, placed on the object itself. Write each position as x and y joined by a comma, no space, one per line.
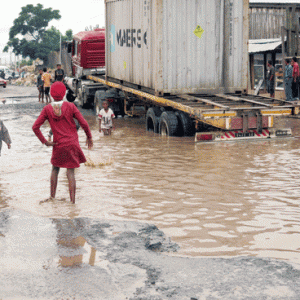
275,1
263,45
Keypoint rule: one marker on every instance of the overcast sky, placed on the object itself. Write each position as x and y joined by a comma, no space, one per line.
75,15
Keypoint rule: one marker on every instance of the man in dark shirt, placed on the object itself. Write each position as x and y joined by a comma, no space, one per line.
59,73
40,85
271,79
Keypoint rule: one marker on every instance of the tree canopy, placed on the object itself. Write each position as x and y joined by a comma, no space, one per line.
29,35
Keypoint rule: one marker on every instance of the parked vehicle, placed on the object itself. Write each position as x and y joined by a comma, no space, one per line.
183,75
3,82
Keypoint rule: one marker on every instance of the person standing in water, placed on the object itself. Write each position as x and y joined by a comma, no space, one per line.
66,149
105,117
4,136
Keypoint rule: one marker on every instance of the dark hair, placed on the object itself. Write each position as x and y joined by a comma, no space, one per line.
58,65
45,69
288,60
270,62
295,59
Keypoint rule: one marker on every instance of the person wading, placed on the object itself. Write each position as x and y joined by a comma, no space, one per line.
66,149
4,136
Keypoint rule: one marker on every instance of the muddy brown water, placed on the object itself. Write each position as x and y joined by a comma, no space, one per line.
214,199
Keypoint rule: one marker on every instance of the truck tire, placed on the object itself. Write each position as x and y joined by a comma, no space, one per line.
70,96
168,124
152,119
185,124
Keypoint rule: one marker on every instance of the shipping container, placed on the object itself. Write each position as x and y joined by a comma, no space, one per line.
178,46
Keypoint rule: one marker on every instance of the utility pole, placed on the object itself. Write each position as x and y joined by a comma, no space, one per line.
60,48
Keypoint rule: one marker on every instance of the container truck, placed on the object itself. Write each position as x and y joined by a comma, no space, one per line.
183,64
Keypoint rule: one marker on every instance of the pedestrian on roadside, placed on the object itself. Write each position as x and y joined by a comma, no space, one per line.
66,151
271,79
59,73
2,74
13,74
40,85
4,136
46,77
105,117
296,74
288,80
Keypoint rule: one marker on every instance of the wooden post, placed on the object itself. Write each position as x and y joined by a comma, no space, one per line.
283,52
252,71
265,71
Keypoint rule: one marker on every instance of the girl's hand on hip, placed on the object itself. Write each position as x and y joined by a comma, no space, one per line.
50,144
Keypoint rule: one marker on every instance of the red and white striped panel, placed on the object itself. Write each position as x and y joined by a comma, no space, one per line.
238,134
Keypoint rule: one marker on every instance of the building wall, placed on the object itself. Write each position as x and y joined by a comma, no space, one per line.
54,59
266,22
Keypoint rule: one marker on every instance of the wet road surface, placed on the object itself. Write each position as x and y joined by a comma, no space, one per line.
236,200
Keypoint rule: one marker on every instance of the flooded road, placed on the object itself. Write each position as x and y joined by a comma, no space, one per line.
219,199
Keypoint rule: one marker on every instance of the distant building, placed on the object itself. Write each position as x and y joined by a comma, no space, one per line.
265,41
267,18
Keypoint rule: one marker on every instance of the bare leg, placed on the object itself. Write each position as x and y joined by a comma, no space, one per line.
109,131
72,184
53,180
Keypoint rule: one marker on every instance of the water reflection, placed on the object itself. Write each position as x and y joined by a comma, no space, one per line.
72,247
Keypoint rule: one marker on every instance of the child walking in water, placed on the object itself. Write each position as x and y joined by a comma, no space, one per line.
4,136
66,149
105,117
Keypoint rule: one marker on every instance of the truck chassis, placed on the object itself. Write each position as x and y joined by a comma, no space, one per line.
226,116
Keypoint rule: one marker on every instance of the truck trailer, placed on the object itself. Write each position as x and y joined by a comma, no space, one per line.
183,64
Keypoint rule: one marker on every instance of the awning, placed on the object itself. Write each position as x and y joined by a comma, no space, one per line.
263,45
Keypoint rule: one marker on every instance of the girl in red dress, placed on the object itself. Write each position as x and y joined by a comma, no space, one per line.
66,149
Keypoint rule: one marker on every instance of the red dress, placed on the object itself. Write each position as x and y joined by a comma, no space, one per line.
66,152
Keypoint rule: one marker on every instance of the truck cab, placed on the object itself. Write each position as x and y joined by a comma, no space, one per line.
88,53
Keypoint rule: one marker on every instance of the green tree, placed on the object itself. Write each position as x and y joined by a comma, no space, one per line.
68,36
29,35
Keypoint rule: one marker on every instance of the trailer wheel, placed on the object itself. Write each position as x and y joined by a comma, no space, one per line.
168,123
70,96
152,119
185,124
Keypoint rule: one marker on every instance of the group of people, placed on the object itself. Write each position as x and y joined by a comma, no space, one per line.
291,79
44,81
